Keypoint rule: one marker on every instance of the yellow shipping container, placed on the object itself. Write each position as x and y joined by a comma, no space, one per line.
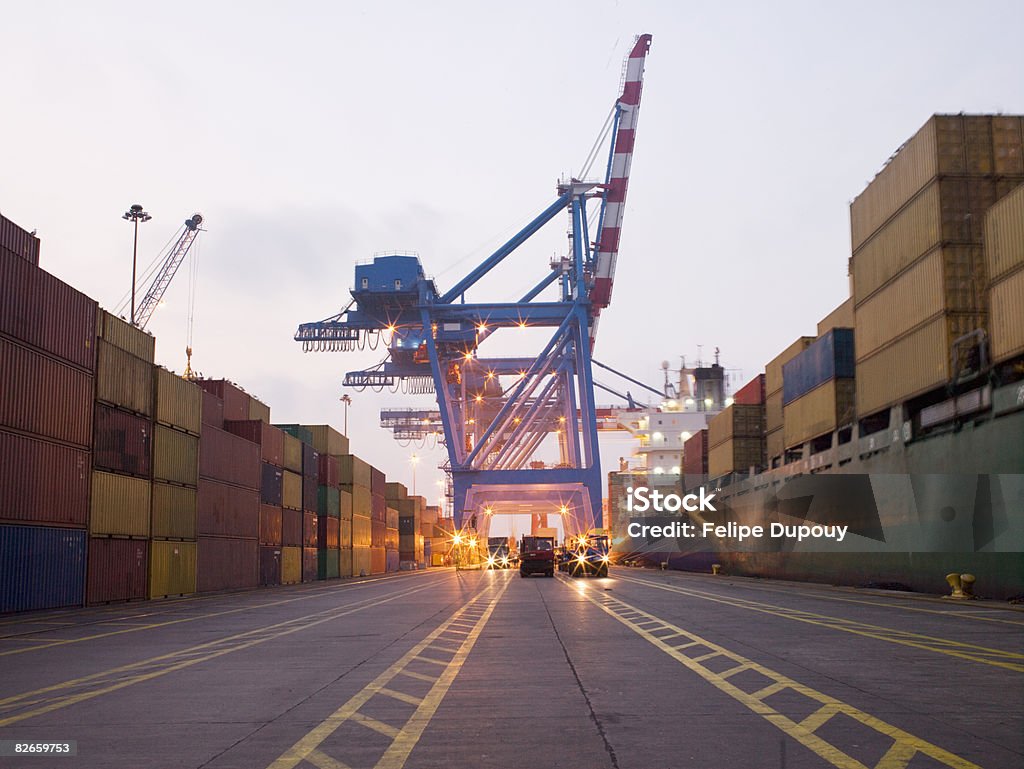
822,410
346,533
258,410
735,455
291,565
1008,144
178,402
175,456
361,501
119,505
774,445
361,562
174,511
1007,316
354,471
773,371
773,411
740,420
361,531
327,440
346,505
172,568
123,380
1004,235
291,490
124,336
292,453
345,562
840,317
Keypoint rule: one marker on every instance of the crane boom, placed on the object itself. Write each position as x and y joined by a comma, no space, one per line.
168,270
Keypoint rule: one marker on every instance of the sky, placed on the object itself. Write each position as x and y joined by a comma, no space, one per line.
313,136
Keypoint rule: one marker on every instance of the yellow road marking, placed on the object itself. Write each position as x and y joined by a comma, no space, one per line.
310,747
803,731
972,652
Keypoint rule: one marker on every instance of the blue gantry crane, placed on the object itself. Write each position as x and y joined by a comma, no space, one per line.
496,413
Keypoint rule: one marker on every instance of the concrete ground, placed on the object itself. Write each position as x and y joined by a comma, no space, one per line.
484,669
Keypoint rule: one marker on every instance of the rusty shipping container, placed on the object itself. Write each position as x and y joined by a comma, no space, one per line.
235,399
378,482
117,570
122,442
752,393
270,525
269,438
172,568
258,410
179,402
378,560
292,453
44,396
291,565
228,458
377,533
45,313
291,490
41,567
738,420
1007,319
213,410
123,380
354,471
309,529
124,336
393,561
328,532
391,538
270,566
227,511
18,242
736,455
291,527
43,482
271,484
225,563
120,505
391,519
327,472
818,412
840,317
695,454
174,511
175,456
1004,236
310,564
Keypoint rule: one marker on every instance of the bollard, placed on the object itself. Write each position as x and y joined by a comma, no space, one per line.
967,585
955,582
664,565
716,568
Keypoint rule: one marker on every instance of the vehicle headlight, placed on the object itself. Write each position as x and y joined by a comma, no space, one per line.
582,559
604,558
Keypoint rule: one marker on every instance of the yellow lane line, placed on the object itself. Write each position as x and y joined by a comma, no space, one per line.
972,652
905,745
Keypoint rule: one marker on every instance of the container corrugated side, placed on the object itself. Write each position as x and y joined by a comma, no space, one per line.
775,444
270,525
391,538
44,396
271,484
1007,316
269,438
737,420
227,511
328,563
301,432
179,402
124,336
229,458
378,482
1004,235
213,410
346,505
236,400
831,356
175,456
1008,144
45,313
174,511
291,565
328,532
172,568
270,566
122,442
258,410
327,440
345,534
291,490
735,455
773,369
377,533
695,453
391,517
361,531
840,317
117,570
43,482
18,241
773,411
361,562
123,380
310,560
225,563
378,560
345,562
354,471
752,393
328,502
41,567
120,505
361,501
292,458
310,526
291,527
820,411
327,471
395,491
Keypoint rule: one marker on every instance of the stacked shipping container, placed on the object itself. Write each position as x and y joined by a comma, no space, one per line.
356,481
818,388
736,439
774,438
1004,257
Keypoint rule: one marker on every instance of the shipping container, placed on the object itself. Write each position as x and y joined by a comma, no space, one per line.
291,527
773,370
328,563
310,461
1007,318
391,517
270,525
226,563
309,529
227,511
43,482
41,568
328,532
408,525
327,471
124,336
829,357
391,538
117,570
236,400
270,566
695,454
378,507
773,411
213,410
122,442
346,505
18,242
752,393
395,491
269,438
361,501
345,562
822,410
392,563
354,471
45,313
120,505
175,456
43,396
172,568
310,564
378,560
775,444
377,532
228,458
309,493
291,494
361,562
291,565
1004,235
174,511
345,533
258,410
123,380
840,317
326,440
179,402
271,485
292,456
738,420
328,502
1007,144
736,455
378,482
299,432
361,531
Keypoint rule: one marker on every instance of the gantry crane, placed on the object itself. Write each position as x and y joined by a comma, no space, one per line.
167,270
496,413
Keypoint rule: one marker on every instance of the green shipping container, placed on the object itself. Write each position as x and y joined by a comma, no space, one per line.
123,380
175,456
174,511
328,564
179,403
328,501
124,336
172,568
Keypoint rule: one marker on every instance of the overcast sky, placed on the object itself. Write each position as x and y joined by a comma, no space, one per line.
314,135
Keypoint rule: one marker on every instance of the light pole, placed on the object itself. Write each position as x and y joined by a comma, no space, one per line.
348,402
135,214
415,460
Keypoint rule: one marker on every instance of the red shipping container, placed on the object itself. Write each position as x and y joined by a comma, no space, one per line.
45,397
378,482
270,525
43,482
225,563
227,511
378,560
122,442
378,530
18,242
392,561
46,313
291,527
309,529
236,400
328,472
310,571
228,458
328,532
213,410
378,507
752,393
695,454
117,569
270,438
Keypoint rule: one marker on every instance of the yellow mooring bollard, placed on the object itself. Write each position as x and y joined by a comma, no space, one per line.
963,586
716,568
967,585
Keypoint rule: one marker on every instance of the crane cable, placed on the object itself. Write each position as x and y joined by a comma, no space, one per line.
148,272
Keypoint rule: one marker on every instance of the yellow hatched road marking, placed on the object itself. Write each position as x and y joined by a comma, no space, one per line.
402,696
905,746
972,652
378,726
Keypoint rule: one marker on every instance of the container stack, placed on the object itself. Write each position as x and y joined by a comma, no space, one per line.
295,525
345,537
918,266
329,445
774,438
437,536
410,532
695,459
47,359
736,440
356,480
752,393
818,389
378,522
1004,256
393,493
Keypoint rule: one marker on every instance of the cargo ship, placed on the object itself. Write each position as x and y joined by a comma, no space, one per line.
903,416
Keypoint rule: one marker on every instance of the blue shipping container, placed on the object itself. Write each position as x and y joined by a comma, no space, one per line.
41,567
830,357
